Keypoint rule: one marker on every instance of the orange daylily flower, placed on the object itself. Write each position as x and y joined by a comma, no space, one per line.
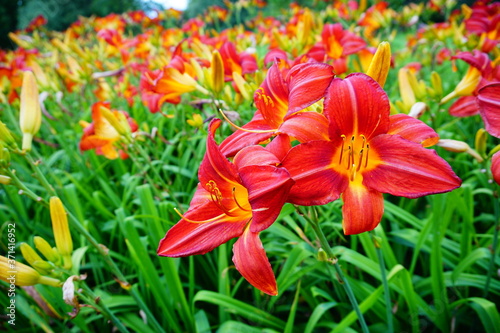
102,136
369,153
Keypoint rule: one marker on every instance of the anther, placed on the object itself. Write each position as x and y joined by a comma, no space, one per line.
367,152
342,149
360,160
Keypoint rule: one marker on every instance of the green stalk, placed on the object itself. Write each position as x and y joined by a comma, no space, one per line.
326,247
493,245
383,276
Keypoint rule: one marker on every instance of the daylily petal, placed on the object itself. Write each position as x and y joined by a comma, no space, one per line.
476,59
407,169
268,188
489,102
316,181
280,146
255,155
363,208
187,238
465,106
271,99
356,105
307,83
251,261
495,167
412,129
306,126
215,166
240,139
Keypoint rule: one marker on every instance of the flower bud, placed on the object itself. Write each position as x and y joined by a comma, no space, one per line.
480,142
48,252
5,180
466,86
32,257
436,84
417,109
60,227
4,156
243,86
30,117
217,72
459,147
19,274
405,89
380,64
6,136
322,256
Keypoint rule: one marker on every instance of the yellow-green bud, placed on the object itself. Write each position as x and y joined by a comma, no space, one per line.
31,257
6,136
217,73
322,256
48,252
19,274
480,142
60,226
30,117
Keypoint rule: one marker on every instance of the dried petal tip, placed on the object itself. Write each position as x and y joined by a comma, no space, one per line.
60,227
381,62
30,117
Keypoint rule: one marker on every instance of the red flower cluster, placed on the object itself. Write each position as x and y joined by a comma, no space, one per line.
345,143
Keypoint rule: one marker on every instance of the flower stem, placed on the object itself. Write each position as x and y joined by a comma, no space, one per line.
383,276
342,279
493,245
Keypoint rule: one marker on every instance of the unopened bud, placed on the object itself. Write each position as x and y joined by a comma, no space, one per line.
5,180
19,274
380,64
62,236
30,117
217,72
322,256
466,86
48,252
436,84
480,141
459,147
32,257
113,119
242,86
6,136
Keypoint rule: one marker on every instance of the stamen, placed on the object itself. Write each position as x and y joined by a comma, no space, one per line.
349,158
367,152
342,149
244,129
193,221
237,203
360,160
364,141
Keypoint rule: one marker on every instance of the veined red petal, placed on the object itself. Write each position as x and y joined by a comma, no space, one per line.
489,107
271,99
215,166
407,169
268,188
307,83
495,167
255,155
356,105
363,208
316,181
251,261
306,126
412,129
240,139
187,238
465,106
280,146
477,59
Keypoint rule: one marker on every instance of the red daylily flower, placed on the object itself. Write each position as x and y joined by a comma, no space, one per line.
241,63
281,100
232,200
369,153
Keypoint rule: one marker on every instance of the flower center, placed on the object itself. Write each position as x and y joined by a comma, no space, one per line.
354,154
218,199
